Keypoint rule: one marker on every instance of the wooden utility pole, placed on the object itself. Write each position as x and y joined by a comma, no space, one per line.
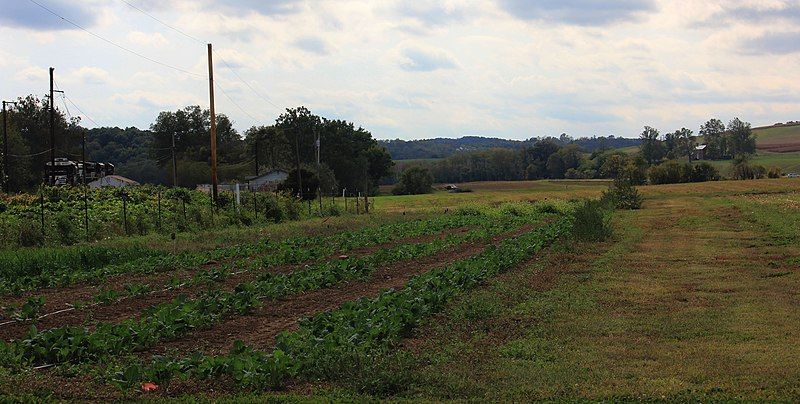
85,197
52,131
213,128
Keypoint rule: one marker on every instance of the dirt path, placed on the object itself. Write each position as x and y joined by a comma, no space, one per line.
133,306
260,328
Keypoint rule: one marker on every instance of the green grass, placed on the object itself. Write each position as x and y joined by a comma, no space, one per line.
687,303
778,135
787,162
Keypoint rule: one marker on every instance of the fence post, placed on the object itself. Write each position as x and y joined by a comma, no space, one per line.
125,212
159,210
357,202
86,208
41,211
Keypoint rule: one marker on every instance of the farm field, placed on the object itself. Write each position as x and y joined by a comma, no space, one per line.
482,295
778,139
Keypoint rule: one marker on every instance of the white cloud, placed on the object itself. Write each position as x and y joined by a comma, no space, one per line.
414,69
154,39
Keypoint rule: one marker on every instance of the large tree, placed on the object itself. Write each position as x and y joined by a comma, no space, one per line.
679,144
354,157
713,133
652,148
29,140
741,140
191,127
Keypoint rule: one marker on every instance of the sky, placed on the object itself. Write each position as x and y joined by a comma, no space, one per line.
412,69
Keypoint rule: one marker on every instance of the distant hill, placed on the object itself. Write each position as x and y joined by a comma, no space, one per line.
445,147
783,138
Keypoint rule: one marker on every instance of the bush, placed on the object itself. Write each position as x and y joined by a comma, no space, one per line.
30,235
746,171
704,171
413,181
622,195
775,172
65,228
272,209
674,172
591,221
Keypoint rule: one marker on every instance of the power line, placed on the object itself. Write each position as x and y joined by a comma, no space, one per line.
114,43
227,65
163,23
29,155
81,111
234,102
64,97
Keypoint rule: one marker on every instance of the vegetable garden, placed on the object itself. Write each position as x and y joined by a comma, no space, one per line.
257,315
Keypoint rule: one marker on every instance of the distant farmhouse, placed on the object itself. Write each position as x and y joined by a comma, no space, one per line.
265,182
699,152
116,181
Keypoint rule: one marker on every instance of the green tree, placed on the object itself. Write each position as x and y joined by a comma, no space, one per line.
652,148
414,180
713,132
192,128
29,140
741,139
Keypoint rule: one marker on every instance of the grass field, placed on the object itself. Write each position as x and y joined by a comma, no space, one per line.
777,146
783,139
479,296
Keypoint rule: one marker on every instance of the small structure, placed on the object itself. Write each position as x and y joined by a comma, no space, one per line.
699,152
266,182
117,181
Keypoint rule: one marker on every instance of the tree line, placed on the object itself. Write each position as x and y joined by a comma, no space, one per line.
349,156
661,159
444,147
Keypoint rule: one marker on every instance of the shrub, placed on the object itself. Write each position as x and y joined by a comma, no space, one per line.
413,181
704,171
292,207
622,195
65,227
775,172
272,209
30,234
746,171
591,221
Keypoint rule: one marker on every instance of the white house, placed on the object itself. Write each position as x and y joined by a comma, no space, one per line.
268,181
117,181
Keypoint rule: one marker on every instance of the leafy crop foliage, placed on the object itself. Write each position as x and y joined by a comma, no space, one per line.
181,210
31,269
329,344
350,344
175,318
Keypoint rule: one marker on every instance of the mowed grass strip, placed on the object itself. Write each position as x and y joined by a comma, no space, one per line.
682,306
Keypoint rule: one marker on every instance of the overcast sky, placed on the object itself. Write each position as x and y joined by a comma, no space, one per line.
417,69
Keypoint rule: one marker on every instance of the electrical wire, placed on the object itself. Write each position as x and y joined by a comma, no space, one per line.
74,104
227,65
110,42
232,101
29,155
81,111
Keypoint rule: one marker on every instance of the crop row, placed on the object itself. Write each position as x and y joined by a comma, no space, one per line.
91,264
180,316
327,343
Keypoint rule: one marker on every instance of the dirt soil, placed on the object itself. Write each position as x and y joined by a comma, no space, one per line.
260,328
57,299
